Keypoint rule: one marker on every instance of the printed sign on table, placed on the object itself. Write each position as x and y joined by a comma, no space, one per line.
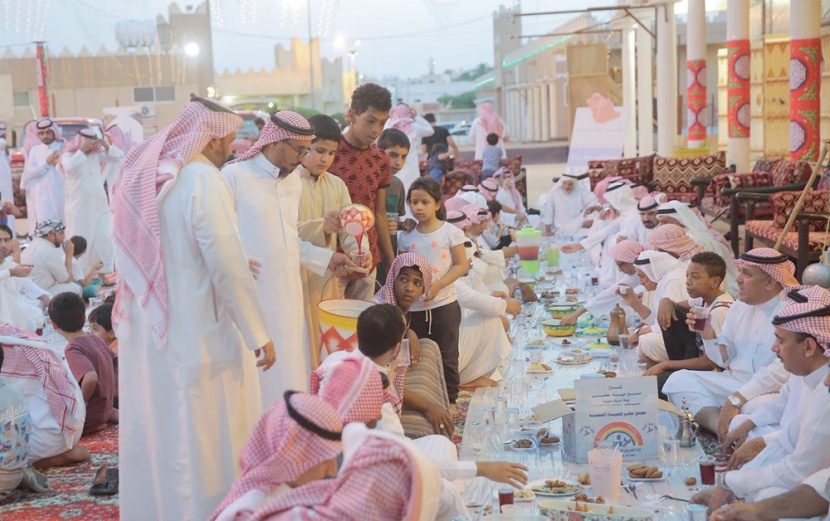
623,411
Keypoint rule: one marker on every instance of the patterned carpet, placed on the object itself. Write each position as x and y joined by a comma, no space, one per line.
69,498
462,404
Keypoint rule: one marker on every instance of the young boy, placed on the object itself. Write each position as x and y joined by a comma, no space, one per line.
365,170
89,359
323,196
704,277
490,156
100,325
497,234
394,144
90,281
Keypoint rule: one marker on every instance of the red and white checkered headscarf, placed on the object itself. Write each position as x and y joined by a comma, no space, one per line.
672,239
280,449
807,311
404,260
120,139
147,170
772,262
626,251
488,189
26,356
273,133
352,386
383,478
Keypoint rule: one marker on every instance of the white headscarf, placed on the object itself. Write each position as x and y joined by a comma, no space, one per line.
621,198
656,264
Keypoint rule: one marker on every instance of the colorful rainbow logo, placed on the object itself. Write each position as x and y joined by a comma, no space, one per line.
621,433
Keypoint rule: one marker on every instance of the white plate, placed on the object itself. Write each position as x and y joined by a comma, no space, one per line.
572,342
540,372
541,483
600,353
523,449
563,510
517,499
573,361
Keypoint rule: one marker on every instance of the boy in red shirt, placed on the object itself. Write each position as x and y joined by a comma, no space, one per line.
89,359
365,170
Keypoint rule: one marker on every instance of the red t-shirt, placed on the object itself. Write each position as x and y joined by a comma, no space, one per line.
363,171
90,353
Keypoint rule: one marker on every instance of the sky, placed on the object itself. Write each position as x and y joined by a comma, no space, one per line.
396,37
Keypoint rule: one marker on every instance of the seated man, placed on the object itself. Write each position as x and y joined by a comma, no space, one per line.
382,478
100,325
89,358
567,208
54,398
497,234
808,500
624,253
671,239
704,276
21,300
750,368
295,442
802,332
664,275
15,430
51,267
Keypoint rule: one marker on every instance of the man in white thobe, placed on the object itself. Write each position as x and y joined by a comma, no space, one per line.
750,368
41,180
567,208
21,301
266,193
186,305
86,161
51,257
802,331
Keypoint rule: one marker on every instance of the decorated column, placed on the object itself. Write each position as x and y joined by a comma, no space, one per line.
697,112
629,89
737,87
666,79
645,93
805,79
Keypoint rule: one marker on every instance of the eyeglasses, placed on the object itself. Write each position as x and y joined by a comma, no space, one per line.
301,152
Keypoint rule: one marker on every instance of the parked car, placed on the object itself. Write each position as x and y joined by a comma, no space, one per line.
248,133
461,134
69,129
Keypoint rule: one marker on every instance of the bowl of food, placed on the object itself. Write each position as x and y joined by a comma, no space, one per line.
562,310
523,445
554,328
549,440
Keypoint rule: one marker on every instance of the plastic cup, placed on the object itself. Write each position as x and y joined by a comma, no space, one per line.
696,513
489,416
404,358
505,496
701,317
605,466
359,258
707,471
511,415
671,449
552,256
624,343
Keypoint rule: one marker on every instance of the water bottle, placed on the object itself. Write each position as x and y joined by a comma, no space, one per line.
517,293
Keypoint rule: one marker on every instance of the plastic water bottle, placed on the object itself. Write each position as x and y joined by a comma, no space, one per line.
517,293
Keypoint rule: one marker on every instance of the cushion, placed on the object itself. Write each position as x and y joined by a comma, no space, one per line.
784,202
453,181
786,172
765,165
823,180
746,180
762,209
596,172
767,231
673,175
426,379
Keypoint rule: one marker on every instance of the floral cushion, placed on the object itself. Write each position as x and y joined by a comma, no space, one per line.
596,172
767,231
709,204
747,180
765,165
784,202
673,175
786,172
453,181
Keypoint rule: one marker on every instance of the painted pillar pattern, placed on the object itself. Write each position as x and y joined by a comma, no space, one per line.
696,99
737,88
805,102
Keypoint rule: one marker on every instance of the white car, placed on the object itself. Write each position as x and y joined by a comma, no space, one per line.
461,134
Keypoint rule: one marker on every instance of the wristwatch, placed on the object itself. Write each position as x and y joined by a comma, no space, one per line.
736,401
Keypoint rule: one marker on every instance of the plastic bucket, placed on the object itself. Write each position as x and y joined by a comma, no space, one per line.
338,324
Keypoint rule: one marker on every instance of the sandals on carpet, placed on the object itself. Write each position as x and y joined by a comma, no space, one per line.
105,482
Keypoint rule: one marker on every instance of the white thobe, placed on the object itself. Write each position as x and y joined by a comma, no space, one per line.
777,413
188,405
495,263
6,189
87,208
820,482
673,287
563,212
45,197
48,267
482,342
752,368
478,135
794,454
268,207
19,305
604,301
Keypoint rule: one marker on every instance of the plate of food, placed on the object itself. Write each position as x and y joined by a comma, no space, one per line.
536,344
549,440
524,495
640,472
574,360
592,331
565,342
554,487
539,368
523,445
531,421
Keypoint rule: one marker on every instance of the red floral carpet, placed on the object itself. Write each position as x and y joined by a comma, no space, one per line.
69,498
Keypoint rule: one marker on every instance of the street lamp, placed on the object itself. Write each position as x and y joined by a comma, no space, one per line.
191,49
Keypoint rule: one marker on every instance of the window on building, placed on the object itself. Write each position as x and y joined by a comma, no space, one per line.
21,98
154,94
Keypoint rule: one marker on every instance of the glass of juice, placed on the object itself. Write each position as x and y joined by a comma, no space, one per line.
707,471
505,496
